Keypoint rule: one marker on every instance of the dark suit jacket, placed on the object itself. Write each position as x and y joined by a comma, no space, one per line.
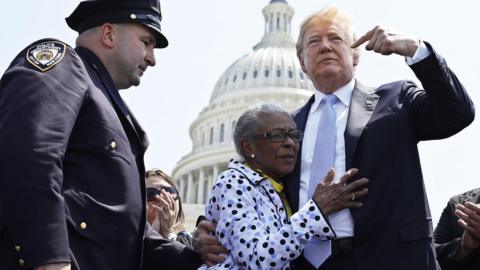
72,171
448,236
393,230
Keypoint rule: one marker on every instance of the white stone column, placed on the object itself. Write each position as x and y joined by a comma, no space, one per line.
184,188
201,186
214,175
210,184
179,184
190,188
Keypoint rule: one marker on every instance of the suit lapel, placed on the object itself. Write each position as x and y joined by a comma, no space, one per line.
293,179
363,103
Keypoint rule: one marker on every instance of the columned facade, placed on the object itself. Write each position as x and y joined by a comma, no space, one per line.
195,189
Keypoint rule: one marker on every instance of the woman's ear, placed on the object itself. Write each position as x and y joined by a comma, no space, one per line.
246,147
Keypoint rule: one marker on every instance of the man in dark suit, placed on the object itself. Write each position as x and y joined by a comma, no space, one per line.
457,236
72,190
377,131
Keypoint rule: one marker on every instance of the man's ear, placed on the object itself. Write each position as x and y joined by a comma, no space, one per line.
108,35
302,64
356,56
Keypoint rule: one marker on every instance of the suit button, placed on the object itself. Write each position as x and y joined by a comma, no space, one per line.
21,262
113,144
17,248
326,229
83,225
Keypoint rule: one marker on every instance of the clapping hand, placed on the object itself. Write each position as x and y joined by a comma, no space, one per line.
165,210
469,219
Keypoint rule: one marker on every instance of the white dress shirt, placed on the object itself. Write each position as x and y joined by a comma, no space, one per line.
342,221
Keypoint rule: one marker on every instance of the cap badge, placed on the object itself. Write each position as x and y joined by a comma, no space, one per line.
46,55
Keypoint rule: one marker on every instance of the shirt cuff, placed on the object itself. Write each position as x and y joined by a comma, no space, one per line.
421,53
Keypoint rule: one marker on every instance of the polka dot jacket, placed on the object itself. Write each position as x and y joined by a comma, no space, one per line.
253,225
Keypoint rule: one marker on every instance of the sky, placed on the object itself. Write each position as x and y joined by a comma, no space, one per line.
207,36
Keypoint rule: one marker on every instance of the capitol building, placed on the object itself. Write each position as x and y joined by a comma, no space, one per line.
271,72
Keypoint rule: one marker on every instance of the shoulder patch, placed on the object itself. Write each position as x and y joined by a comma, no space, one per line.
46,55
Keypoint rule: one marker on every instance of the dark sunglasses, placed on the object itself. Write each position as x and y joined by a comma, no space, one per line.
279,135
152,192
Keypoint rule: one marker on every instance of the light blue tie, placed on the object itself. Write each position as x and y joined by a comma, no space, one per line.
323,159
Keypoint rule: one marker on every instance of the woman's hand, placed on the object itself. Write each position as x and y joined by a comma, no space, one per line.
332,197
165,207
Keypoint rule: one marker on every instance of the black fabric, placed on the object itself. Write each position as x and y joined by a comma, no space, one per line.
393,229
448,236
93,13
72,172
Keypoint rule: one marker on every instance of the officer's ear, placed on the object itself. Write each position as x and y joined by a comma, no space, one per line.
108,35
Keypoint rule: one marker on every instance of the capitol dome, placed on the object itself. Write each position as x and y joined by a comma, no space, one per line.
271,72
273,61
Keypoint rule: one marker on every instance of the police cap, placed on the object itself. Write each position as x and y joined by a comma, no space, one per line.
93,13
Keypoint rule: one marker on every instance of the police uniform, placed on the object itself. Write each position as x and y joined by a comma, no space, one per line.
71,162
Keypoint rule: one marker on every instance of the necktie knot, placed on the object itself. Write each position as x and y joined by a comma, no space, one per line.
330,99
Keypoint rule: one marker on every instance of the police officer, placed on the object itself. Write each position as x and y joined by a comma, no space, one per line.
72,190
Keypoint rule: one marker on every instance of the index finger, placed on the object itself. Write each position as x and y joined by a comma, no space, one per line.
473,206
348,174
170,200
363,39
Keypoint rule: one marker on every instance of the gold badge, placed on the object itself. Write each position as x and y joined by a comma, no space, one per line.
46,55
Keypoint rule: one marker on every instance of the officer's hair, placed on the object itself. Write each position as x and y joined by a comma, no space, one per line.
83,38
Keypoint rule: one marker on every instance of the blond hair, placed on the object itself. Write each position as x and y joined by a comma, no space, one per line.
328,14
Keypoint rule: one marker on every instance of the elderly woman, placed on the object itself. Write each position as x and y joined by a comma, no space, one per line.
254,219
164,207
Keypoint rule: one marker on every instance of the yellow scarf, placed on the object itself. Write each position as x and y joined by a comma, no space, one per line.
279,189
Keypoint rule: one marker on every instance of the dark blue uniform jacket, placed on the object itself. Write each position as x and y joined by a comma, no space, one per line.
71,168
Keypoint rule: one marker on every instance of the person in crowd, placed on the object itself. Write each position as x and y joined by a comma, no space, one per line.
374,129
254,220
457,235
71,162
164,207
